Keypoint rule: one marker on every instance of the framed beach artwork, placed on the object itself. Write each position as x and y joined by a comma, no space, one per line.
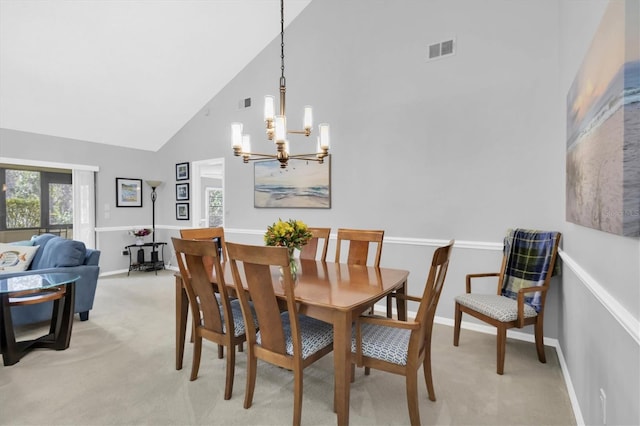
128,192
303,184
603,128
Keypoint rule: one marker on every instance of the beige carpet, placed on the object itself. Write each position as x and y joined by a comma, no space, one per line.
120,370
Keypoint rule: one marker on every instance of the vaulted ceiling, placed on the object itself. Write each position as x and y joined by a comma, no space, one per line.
124,72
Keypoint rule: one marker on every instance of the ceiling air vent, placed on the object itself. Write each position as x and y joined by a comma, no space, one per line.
442,49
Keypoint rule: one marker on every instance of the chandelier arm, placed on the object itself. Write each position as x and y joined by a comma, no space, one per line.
310,157
258,155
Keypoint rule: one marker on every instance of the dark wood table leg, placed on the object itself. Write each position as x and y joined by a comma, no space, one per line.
8,347
62,334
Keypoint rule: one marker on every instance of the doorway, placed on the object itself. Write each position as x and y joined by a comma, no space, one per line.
208,193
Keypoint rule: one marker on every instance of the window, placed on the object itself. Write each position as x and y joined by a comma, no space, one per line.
35,199
214,207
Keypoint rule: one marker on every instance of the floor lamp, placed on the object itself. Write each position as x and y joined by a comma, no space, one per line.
153,184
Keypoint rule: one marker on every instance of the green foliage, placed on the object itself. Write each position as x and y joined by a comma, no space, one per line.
23,213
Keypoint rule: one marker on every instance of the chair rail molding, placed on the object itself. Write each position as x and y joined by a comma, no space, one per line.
617,311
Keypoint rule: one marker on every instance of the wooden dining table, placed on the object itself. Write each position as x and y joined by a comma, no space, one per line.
336,293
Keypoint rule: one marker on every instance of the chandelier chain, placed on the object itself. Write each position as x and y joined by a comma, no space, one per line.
282,38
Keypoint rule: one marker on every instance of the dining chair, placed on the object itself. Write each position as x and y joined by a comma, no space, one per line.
287,339
310,250
359,241
215,317
528,263
400,347
215,234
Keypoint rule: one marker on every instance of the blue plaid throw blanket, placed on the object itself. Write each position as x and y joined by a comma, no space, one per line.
529,255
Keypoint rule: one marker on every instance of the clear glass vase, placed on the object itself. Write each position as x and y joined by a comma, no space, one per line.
293,265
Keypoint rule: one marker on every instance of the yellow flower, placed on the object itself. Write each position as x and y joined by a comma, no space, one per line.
292,234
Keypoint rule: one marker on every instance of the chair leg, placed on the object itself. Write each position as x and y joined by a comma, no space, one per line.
231,366
426,366
353,372
220,351
456,326
252,364
412,397
297,398
540,342
501,346
197,352
389,307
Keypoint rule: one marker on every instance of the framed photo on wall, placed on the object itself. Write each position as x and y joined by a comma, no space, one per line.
128,192
182,191
182,171
182,211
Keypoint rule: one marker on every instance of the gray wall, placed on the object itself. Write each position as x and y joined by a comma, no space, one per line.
599,331
462,147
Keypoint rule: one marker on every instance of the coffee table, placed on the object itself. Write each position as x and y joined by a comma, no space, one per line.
32,289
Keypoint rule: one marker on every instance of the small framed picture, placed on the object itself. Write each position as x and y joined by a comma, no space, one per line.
182,191
182,211
128,192
182,171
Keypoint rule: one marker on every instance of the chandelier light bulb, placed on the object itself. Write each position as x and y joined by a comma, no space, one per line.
324,136
269,108
308,118
236,135
281,128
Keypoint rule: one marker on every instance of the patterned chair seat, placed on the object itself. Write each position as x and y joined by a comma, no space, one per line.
500,308
238,322
314,334
384,343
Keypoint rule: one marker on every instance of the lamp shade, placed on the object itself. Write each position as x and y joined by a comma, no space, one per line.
154,183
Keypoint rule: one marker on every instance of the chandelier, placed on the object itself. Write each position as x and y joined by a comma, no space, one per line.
277,125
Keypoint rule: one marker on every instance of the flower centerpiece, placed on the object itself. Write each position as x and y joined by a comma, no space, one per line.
139,234
292,234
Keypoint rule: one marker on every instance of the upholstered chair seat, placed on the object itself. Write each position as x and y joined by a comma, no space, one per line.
315,334
384,343
500,308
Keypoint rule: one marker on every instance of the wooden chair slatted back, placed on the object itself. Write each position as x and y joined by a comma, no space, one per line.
433,289
359,242
251,268
213,234
192,256
310,250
